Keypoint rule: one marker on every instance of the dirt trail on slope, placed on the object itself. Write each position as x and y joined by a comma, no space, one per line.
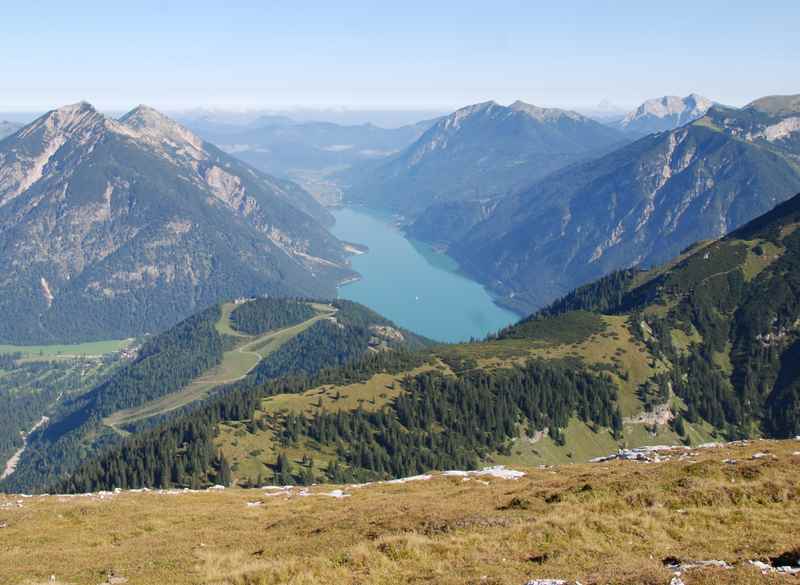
11,464
236,365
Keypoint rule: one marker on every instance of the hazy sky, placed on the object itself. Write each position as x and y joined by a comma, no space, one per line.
409,54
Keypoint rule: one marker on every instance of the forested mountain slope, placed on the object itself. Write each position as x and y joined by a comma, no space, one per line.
703,348
638,206
215,351
121,227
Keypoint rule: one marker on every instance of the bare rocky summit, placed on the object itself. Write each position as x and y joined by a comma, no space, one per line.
665,113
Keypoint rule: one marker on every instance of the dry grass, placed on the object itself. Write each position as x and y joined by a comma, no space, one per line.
603,523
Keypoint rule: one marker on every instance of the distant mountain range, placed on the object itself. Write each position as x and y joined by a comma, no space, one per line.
664,113
7,128
308,152
477,152
121,227
638,205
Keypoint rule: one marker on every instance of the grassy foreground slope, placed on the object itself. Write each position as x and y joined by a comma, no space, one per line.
608,523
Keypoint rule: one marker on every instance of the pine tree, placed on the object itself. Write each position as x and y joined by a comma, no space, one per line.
283,470
224,473
616,424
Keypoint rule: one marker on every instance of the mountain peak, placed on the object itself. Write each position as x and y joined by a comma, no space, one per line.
72,112
150,123
453,121
777,105
670,105
73,120
665,113
81,106
479,107
543,114
144,117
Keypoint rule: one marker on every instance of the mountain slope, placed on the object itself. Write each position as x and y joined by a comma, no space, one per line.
213,353
479,151
639,205
115,228
726,316
700,349
663,114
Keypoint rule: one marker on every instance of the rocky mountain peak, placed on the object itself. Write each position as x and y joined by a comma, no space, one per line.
665,113
69,119
454,120
671,105
150,123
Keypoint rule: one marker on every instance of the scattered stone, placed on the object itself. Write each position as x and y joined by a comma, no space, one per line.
498,471
766,568
760,455
643,454
113,579
335,494
679,567
424,477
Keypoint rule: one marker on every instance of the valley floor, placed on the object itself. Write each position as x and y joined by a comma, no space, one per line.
610,522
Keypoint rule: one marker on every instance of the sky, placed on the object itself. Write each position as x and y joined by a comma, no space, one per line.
409,54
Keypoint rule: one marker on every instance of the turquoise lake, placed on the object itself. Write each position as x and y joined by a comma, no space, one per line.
411,284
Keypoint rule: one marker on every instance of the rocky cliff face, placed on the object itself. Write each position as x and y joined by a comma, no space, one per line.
664,113
477,152
637,206
111,228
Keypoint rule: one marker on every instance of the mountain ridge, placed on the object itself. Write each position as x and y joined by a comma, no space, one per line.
478,151
97,212
664,113
640,204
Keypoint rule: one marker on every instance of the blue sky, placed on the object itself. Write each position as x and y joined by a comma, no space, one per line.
409,54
